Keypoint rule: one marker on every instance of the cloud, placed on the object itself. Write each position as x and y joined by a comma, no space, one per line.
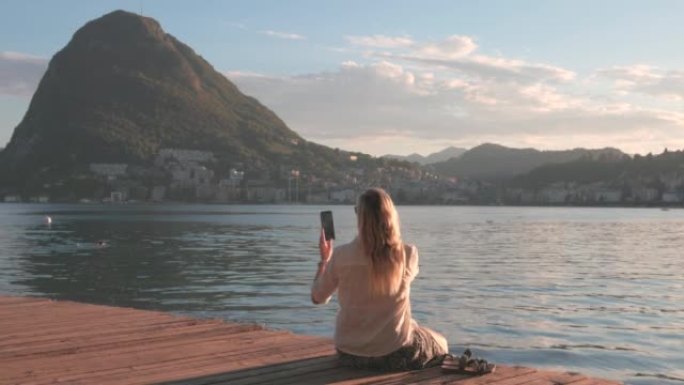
410,95
649,80
387,106
350,101
458,53
380,41
338,104
486,67
634,73
283,35
20,73
450,48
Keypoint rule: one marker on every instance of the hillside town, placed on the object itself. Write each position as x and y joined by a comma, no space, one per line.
635,193
184,175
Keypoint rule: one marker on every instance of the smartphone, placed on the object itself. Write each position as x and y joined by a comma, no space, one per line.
327,224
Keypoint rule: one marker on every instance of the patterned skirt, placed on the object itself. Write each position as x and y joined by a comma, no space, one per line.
423,352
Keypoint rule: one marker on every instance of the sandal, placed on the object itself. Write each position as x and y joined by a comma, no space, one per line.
467,364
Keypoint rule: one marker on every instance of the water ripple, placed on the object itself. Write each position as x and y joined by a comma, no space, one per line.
597,291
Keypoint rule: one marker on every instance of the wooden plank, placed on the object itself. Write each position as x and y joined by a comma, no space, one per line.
54,342
502,374
85,345
242,374
278,376
98,334
415,376
59,323
76,363
222,334
173,348
219,358
104,331
593,381
201,366
44,313
373,378
103,323
446,378
328,377
517,380
540,381
563,378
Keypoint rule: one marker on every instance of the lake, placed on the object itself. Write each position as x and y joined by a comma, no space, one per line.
594,290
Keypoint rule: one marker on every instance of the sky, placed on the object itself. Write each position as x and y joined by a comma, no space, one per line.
401,77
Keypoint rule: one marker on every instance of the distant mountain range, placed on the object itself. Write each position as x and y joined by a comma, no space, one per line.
440,156
663,171
494,162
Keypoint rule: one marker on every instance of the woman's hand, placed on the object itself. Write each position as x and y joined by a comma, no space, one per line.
325,247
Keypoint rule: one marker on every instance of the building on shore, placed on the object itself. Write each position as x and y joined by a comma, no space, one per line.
673,197
263,191
12,199
109,170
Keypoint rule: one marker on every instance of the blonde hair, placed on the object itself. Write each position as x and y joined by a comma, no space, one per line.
380,236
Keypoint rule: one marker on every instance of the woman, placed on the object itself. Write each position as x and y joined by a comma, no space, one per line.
372,275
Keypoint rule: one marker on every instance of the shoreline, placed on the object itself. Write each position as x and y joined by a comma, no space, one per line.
302,204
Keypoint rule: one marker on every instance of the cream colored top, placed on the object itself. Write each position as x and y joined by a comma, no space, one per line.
366,326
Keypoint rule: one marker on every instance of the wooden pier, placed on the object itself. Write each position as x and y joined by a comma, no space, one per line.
54,342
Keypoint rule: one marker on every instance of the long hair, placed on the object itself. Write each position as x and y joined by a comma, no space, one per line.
380,236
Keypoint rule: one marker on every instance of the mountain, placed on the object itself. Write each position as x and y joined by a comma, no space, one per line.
122,89
495,162
440,156
651,170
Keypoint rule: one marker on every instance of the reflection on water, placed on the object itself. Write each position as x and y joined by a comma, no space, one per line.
599,291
